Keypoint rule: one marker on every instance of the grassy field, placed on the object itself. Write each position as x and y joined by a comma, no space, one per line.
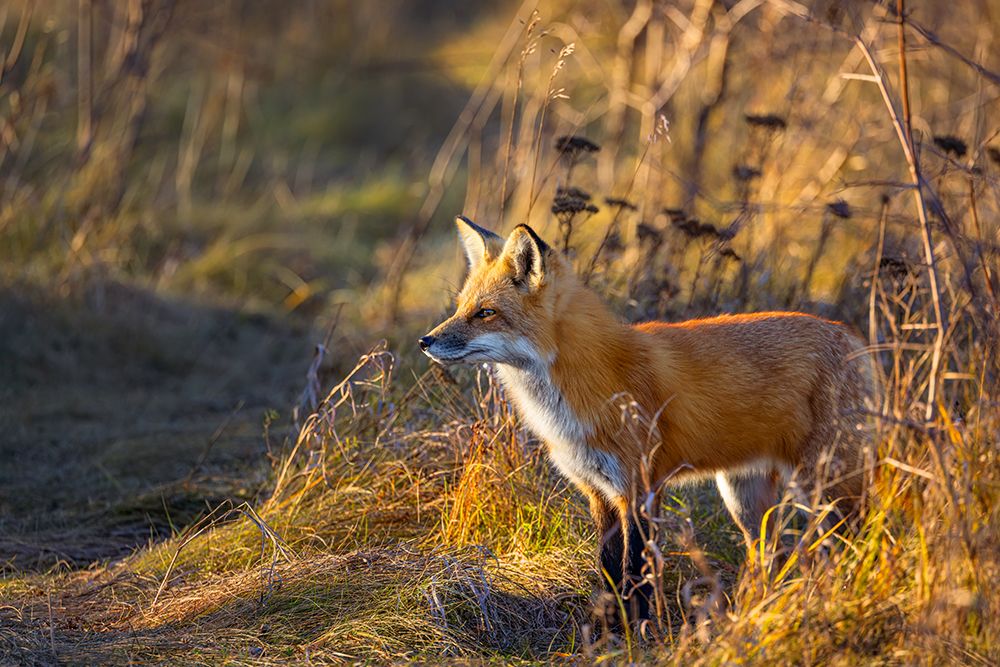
223,226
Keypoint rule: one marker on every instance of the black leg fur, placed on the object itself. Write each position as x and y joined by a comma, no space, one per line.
622,561
613,556
638,593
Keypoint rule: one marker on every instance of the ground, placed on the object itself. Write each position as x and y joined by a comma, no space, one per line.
126,414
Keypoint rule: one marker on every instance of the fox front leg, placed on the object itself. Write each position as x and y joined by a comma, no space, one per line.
621,534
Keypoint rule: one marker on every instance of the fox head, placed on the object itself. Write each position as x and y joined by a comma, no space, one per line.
505,310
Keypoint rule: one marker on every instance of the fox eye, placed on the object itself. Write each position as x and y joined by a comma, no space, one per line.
485,313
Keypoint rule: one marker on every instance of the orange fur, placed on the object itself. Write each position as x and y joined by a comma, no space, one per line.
739,395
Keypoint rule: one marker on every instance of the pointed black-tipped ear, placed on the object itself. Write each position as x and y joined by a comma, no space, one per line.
479,244
527,255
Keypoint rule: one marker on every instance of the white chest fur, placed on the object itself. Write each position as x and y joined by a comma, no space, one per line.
547,413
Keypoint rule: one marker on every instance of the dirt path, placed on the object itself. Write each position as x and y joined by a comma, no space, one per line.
123,414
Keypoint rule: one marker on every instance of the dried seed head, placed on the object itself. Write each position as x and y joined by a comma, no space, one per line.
570,206
695,229
707,229
564,205
689,227
620,203
951,144
744,172
894,267
839,208
767,121
675,214
571,192
572,145
648,234
613,244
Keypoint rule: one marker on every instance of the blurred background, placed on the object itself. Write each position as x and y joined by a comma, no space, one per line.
193,195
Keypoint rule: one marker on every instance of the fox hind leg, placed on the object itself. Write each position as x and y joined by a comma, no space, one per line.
748,495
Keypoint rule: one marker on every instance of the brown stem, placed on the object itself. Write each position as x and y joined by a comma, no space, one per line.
904,81
903,133
84,73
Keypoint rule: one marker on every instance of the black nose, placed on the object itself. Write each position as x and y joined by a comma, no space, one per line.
426,342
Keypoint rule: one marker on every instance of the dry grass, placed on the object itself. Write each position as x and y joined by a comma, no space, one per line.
406,516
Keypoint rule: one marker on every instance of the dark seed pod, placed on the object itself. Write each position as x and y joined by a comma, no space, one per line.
951,144
570,206
839,208
648,234
620,203
707,229
744,172
675,214
894,267
613,244
572,192
575,144
689,227
767,121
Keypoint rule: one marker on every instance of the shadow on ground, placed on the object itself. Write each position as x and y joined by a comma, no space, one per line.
325,606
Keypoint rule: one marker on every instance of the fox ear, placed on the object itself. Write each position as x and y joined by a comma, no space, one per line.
527,255
480,244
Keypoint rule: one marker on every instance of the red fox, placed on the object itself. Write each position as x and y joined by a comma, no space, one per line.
743,398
